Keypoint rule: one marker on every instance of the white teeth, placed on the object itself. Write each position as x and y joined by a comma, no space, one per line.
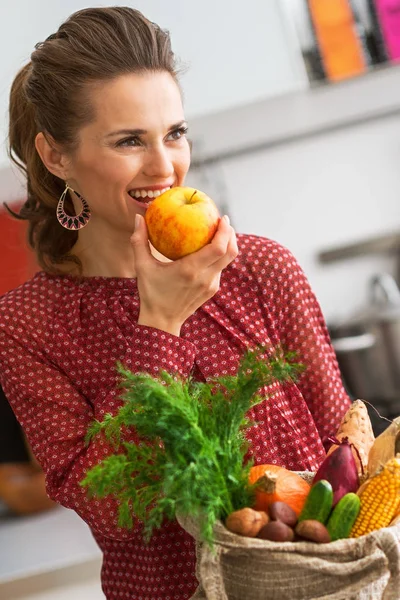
148,193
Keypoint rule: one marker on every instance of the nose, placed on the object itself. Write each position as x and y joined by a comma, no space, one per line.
158,162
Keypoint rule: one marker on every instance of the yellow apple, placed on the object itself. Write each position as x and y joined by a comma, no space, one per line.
181,221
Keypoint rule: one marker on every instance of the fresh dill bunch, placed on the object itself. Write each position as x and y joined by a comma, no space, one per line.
192,455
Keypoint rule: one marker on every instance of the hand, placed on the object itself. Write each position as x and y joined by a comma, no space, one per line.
172,292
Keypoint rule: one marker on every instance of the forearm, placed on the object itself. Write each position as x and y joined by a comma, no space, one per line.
321,383
58,440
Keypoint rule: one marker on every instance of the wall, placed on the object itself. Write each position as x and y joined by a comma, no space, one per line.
315,193
232,54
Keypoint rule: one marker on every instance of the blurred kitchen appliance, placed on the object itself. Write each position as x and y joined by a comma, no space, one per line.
367,346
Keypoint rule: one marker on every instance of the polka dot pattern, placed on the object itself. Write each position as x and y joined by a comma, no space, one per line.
59,342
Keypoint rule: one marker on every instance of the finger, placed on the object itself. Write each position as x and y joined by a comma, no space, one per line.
140,241
231,253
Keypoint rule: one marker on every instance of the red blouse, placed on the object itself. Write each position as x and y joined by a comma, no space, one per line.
61,337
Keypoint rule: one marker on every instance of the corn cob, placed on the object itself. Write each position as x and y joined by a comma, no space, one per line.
380,499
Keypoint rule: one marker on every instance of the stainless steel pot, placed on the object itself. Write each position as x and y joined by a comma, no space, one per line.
355,358
371,365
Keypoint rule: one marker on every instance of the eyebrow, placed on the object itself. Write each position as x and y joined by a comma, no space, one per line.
134,132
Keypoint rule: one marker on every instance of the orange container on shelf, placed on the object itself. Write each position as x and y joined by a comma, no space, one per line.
342,51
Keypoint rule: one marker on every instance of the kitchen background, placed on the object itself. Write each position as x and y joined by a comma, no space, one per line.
294,113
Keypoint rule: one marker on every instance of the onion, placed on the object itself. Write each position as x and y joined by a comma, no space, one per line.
340,469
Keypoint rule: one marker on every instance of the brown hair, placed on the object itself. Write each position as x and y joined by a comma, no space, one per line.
50,94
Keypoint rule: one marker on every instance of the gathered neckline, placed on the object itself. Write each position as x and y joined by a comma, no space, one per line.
96,282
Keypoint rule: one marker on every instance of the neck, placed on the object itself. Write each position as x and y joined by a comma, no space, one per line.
107,253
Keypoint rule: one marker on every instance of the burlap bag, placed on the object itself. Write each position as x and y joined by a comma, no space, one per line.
365,568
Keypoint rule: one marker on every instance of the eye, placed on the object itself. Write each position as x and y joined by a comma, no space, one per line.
177,134
129,142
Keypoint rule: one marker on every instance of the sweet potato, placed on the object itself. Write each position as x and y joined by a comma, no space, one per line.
356,426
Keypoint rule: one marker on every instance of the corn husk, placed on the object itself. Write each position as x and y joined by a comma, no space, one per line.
385,447
396,520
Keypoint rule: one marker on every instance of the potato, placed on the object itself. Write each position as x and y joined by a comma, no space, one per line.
246,521
280,511
313,531
276,531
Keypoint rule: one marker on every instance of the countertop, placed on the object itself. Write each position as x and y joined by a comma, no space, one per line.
45,551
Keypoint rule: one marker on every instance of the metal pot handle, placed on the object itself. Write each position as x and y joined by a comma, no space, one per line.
384,290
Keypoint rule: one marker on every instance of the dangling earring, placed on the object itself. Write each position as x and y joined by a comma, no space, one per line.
73,222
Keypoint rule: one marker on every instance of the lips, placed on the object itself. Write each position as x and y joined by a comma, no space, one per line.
143,201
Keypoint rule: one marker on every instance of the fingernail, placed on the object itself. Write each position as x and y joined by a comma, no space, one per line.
137,221
227,219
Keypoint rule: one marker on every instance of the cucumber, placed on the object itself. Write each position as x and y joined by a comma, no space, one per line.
343,517
318,503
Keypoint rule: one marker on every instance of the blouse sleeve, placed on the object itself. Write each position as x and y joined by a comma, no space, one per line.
55,418
302,329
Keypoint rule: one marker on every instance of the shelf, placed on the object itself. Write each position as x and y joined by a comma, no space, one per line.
296,116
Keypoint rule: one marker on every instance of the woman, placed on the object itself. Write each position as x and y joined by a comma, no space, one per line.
96,119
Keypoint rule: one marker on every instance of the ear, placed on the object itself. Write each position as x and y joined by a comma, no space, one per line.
52,156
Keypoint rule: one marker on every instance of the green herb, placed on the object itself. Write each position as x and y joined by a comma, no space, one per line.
192,457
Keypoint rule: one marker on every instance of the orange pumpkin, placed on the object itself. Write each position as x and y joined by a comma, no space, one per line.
278,484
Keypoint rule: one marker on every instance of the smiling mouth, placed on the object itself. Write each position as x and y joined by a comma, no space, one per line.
147,196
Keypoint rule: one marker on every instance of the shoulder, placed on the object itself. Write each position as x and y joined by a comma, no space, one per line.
250,244
30,304
264,256
271,267
32,290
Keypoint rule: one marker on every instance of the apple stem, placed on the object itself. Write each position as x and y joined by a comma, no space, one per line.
191,197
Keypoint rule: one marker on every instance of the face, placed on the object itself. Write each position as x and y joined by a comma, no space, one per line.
134,149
